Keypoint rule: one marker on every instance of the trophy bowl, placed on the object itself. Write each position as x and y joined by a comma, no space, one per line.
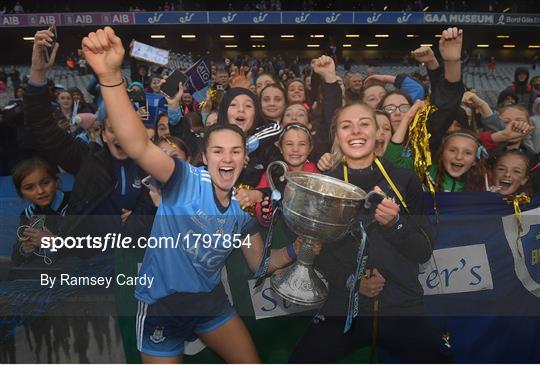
318,208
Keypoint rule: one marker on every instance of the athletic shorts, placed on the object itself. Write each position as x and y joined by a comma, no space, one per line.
164,326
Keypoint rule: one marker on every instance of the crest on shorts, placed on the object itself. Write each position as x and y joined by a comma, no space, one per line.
525,248
157,336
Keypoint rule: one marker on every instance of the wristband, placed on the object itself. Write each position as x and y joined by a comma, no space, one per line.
291,252
115,85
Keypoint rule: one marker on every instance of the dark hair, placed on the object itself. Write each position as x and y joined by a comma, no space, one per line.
274,80
219,127
474,178
395,92
180,144
195,121
295,126
289,83
528,187
28,166
372,84
273,86
229,96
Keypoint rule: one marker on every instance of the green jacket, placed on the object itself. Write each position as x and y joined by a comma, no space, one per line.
401,156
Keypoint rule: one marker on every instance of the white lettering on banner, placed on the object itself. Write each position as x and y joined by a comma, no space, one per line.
525,248
120,18
10,20
460,18
522,19
267,303
46,19
203,71
83,19
456,270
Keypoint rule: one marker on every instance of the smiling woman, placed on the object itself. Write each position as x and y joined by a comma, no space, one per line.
196,201
399,240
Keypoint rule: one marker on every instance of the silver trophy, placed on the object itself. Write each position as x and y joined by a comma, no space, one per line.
318,208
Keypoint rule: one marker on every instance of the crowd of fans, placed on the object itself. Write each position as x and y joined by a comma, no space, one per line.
353,127
35,6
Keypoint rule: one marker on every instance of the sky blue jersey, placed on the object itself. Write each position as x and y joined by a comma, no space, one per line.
192,216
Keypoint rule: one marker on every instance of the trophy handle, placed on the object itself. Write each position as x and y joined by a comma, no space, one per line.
367,203
269,173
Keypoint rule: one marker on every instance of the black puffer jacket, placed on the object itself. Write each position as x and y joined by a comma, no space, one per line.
396,252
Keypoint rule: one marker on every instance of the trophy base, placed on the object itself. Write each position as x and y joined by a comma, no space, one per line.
300,284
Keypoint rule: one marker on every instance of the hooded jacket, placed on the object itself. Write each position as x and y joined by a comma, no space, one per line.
521,88
266,134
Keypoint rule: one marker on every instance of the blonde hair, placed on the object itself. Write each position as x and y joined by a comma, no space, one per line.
335,151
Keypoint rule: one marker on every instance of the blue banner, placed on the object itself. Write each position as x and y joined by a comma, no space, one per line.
240,17
272,17
484,288
388,18
172,17
316,17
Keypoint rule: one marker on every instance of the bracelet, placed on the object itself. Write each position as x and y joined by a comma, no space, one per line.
291,252
115,85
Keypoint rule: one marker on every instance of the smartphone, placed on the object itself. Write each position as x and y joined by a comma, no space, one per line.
48,51
170,87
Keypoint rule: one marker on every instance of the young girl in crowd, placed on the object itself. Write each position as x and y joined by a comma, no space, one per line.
273,102
162,126
36,182
296,113
517,113
170,310
296,92
459,164
373,94
295,144
264,80
65,103
384,133
510,174
240,107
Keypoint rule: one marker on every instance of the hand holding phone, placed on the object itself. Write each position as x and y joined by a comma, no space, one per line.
52,29
170,87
